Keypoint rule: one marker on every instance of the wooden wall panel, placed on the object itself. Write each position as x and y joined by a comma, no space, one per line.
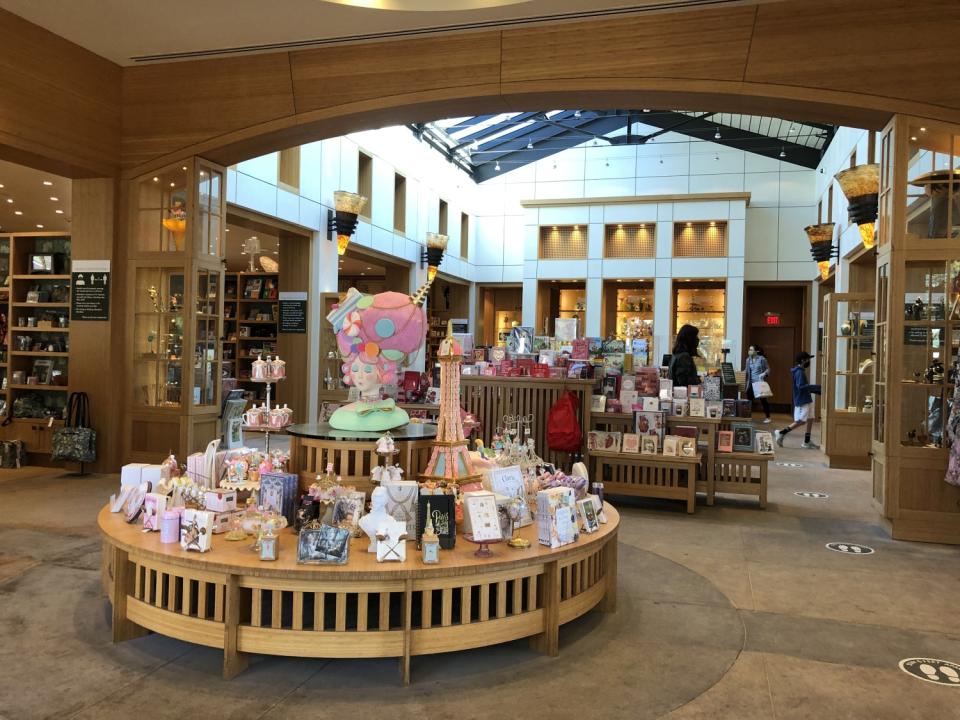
96,347
328,77
294,348
884,48
60,107
707,44
168,107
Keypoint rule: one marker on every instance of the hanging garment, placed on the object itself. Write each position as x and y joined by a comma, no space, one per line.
953,439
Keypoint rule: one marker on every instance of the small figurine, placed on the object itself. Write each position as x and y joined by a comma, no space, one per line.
386,445
430,542
378,515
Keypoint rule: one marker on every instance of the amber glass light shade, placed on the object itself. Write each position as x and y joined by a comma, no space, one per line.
821,246
348,206
820,233
861,187
436,246
824,267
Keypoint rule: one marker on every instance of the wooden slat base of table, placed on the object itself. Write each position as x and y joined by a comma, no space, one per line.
655,476
742,474
228,599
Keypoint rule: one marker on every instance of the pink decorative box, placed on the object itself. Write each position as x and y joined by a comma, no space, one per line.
221,500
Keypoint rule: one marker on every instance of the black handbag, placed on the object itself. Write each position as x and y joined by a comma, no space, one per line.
76,440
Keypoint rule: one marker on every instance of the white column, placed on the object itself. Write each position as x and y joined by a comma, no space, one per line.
662,338
734,319
530,302
594,307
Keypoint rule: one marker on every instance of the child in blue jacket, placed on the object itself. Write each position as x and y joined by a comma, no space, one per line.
803,406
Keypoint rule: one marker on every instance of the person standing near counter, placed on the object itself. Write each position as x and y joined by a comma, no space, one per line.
803,406
683,369
757,370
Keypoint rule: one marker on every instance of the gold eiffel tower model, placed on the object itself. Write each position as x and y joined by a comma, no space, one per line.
450,458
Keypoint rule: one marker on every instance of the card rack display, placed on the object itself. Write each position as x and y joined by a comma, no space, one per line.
250,325
34,357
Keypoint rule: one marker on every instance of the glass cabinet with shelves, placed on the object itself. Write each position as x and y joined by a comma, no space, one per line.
176,298
849,329
918,327
703,305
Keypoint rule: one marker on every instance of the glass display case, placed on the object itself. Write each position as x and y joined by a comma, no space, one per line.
918,321
158,330
849,328
176,299
703,305
628,310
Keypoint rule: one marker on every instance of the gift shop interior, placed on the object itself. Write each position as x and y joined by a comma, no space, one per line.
334,357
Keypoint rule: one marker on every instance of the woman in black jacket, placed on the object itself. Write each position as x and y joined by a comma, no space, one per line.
683,370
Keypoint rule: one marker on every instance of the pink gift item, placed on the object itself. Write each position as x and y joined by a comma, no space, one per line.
170,527
276,418
277,368
254,416
154,504
259,369
168,468
220,500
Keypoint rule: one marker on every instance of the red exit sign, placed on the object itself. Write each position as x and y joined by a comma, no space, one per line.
773,318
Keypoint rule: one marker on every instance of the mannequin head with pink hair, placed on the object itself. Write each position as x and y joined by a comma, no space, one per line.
376,335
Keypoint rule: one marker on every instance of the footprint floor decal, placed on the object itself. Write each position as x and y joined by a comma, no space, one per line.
811,494
942,672
850,548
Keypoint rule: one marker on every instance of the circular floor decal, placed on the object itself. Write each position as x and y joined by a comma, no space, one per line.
851,548
788,464
811,494
941,672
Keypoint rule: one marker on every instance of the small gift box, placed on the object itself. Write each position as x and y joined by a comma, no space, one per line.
220,500
154,505
196,530
131,474
557,517
278,491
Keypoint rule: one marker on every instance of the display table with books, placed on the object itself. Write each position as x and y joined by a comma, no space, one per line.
672,477
229,599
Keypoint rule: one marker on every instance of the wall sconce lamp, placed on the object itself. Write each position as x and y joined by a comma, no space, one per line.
861,186
821,246
343,222
431,256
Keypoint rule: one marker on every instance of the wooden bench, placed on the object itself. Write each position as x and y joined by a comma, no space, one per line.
655,476
740,473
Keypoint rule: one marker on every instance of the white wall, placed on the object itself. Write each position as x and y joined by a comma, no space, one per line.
766,237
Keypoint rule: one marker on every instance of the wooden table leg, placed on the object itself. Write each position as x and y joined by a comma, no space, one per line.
763,485
609,603
691,489
234,661
407,632
711,462
548,642
123,629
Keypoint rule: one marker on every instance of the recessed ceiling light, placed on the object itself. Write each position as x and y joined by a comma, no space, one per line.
529,147
55,199
369,268
59,212
923,129
156,179
172,185
47,183
39,226
689,224
913,137
713,223
363,273
228,229
184,168
18,212
1,186
9,200
716,135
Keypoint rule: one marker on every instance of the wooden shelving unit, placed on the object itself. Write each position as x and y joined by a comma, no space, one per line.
239,305
40,351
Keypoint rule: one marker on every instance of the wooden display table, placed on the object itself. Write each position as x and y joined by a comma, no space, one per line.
656,476
354,453
707,440
734,473
227,598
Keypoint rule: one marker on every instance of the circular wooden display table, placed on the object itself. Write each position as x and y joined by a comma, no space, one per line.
354,453
227,598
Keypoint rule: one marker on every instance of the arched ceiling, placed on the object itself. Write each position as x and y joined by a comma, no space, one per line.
129,32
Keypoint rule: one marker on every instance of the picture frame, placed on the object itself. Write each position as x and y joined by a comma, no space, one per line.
348,509
714,409
698,407
742,437
649,423
671,445
687,447
43,371
598,403
588,515
725,441
631,443
326,545
649,445
764,442
484,516
679,408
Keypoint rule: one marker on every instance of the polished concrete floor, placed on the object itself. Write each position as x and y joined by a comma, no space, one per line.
733,612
